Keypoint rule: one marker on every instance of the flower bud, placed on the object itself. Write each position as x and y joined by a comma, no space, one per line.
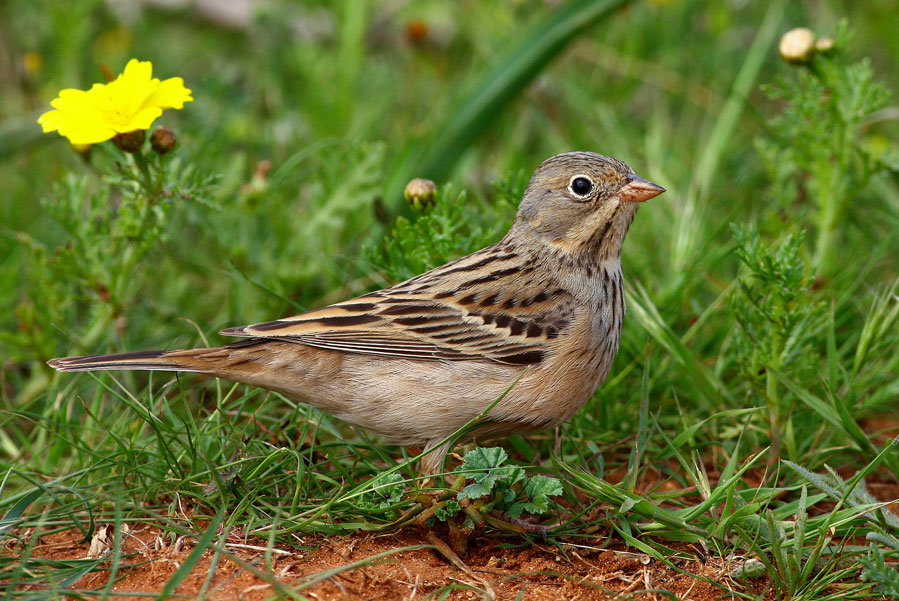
797,45
420,193
163,139
825,44
130,141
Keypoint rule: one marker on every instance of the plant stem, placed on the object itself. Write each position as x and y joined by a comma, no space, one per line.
146,179
774,413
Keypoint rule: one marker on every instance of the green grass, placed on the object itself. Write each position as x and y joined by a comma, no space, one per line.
763,318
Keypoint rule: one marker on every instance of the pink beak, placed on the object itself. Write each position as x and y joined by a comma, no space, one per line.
637,189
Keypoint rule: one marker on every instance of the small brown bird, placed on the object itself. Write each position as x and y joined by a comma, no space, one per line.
417,361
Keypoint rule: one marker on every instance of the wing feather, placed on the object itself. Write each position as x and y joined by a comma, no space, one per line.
466,310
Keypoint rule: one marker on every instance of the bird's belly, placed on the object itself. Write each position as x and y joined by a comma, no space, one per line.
410,401
413,402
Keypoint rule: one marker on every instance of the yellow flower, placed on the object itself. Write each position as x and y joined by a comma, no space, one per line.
131,102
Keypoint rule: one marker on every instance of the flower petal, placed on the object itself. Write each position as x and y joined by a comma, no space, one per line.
170,93
137,71
142,120
87,133
50,120
79,128
70,99
129,90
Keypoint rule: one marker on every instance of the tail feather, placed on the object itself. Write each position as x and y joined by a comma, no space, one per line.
141,360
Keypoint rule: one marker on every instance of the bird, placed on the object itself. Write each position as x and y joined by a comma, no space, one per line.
529,325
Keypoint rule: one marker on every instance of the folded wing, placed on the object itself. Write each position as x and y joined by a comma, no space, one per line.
415,326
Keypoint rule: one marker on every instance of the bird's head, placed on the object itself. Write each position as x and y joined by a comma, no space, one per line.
582,203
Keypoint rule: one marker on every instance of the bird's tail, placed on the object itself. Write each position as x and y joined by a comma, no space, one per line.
142,360
204,360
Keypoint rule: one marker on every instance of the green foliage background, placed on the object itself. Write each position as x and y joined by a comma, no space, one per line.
762,303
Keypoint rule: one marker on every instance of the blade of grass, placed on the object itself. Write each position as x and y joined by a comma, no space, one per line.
502,81
710,388
193,558
636,457
687,434
11,518
837,414
715,146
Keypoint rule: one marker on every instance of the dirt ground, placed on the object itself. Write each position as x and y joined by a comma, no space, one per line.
494,567
344,568
534,572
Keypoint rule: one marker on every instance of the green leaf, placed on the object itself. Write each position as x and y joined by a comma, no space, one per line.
483,459
12,517
539,490
537,493
876,570
449,509
389,491
485,467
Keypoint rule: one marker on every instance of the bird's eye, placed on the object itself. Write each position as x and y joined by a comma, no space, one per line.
581,186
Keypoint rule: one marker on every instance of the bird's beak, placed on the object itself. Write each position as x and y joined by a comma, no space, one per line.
637,189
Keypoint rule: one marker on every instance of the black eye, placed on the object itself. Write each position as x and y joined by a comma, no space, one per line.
581,186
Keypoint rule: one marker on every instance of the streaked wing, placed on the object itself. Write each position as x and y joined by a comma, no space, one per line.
486,306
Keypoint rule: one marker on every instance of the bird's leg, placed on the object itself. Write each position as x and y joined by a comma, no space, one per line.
428,499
